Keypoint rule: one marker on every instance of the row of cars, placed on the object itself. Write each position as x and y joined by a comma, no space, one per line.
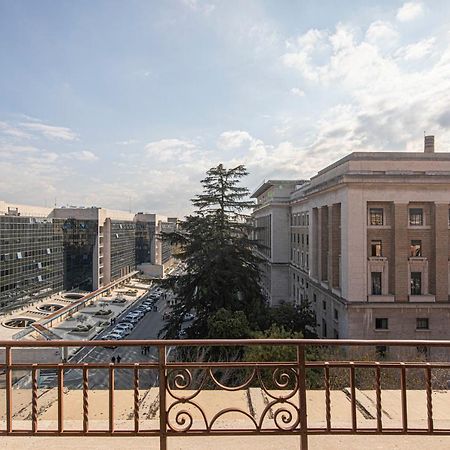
127,323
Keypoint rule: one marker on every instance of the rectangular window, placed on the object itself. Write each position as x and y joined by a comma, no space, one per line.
416,283
422,351
381,351
376,283
416,216
336,334
376,216
381,323
324,328
422,323
376,248
336,314
324,305
416,248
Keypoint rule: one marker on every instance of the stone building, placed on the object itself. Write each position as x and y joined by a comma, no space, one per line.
366,241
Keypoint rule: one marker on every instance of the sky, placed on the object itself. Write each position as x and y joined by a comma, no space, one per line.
125,105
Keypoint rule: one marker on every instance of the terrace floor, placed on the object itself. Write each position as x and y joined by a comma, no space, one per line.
229,443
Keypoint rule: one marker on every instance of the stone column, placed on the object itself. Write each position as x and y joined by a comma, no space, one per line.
314,244
441,251
334,240
324,243
401,252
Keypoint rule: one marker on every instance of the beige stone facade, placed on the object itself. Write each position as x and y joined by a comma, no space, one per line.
368,245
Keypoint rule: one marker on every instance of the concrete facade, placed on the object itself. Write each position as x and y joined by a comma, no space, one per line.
369,245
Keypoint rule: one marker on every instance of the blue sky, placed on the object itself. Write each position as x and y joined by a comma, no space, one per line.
123,104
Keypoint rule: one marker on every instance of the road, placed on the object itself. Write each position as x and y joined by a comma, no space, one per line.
147,328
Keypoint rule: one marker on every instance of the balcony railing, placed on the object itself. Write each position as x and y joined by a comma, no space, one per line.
181,382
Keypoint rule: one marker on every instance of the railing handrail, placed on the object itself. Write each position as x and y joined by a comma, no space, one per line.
228,342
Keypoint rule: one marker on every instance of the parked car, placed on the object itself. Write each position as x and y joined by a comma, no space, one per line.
126,325
122,329
131,319
148,303
116,334
145,308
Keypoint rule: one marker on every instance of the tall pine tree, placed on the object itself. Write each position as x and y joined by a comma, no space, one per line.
220,266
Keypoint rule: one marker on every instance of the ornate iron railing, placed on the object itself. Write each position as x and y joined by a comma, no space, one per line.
180,384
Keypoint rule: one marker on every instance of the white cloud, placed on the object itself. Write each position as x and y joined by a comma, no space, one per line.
10,130
410,11
171,149
383,103
233,139
417,50
298,92
83,155
382,33
51,131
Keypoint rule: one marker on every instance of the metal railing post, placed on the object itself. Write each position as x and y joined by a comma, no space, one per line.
302,410
162,399
8,361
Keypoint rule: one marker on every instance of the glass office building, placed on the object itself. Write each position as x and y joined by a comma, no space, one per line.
80,239
123,248
31,258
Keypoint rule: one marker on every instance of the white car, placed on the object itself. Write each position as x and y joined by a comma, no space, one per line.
126,325
122,329
116,334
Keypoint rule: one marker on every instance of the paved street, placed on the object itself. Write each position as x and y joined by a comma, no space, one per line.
147,328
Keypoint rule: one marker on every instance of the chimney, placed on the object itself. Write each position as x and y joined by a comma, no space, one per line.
429,144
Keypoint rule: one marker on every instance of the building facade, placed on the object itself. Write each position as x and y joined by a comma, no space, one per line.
45,250
368,245
31,255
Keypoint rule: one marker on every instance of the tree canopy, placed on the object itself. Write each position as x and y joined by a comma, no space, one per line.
221,267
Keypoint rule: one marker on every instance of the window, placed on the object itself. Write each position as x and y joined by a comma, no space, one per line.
376,248
376,283
416,216
324,305
416,283
416,248
376,216
336,314
381,351
336,334
381,323
19,255
324,328
422,351
314,297
422,323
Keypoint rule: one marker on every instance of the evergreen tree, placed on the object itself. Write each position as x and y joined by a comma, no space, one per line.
221,268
